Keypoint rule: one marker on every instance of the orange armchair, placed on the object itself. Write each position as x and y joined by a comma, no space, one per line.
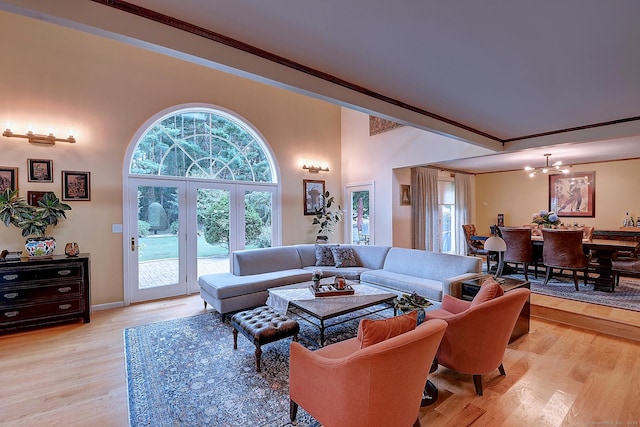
478,332
381,384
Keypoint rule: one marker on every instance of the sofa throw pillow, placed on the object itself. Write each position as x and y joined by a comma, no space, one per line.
324,256
371,331
489,290
344,257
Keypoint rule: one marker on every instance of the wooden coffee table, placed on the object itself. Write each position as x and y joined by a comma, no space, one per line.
318,310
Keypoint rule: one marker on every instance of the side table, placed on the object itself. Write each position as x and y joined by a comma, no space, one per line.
471,287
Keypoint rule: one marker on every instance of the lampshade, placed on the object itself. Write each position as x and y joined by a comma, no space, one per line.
495,244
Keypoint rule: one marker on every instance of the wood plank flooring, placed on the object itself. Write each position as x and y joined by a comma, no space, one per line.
558,375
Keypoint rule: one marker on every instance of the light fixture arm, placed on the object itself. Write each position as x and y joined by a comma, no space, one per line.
35,138
315,169
555,166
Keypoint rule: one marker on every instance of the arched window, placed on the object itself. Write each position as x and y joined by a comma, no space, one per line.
202,143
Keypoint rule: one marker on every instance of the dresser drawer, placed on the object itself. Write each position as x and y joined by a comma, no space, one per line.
26,274
48,309
17,294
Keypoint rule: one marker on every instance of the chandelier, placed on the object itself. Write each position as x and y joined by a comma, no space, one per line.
555,167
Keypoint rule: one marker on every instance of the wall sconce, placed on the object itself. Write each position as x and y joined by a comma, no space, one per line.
315,169
35,138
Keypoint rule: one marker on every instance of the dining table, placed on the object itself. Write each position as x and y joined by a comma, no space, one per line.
600,252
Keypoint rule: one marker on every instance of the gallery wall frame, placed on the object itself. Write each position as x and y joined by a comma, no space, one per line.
313,192
76,185
40,170
573,194
8,178
34,196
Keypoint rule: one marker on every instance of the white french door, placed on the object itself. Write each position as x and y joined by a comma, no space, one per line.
359,219
156,239
179,230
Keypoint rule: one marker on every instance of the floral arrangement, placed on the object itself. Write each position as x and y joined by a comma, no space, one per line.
545,218
316,275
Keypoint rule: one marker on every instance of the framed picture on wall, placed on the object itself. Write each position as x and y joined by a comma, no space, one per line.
313,194
573,194
76,185
8,178
40,170
405,195
34,196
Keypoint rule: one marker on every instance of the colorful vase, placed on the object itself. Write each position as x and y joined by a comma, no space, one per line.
40,246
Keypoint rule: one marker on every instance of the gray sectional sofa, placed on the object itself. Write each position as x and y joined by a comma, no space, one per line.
253,271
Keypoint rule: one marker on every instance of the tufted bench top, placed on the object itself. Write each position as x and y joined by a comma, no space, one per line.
262,325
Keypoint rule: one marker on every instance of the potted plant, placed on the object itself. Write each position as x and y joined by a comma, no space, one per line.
33,220
326,217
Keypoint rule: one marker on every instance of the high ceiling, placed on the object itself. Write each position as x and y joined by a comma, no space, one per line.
515,77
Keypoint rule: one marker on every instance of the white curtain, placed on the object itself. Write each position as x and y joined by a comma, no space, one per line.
463,209
424,208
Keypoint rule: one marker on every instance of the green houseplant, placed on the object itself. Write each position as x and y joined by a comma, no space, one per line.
326,217
33,220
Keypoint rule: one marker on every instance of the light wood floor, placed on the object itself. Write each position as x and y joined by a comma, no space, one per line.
74,375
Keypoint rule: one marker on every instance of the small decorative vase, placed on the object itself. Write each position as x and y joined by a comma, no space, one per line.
316,284
71,249
40,246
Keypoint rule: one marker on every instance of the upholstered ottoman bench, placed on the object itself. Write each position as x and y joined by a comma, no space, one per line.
263,325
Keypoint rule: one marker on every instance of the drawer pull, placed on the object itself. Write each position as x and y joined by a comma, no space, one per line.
10,276
11,313
64,272
64,306
65,289
11,295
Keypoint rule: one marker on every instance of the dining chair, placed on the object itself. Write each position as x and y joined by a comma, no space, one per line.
475,243
563,250
519,247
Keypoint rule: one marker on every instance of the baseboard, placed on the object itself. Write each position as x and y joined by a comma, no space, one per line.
108,306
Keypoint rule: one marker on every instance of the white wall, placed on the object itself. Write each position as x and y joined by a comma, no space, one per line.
373,158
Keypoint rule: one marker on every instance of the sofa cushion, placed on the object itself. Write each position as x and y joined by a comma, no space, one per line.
404,283
351,273
434,265
343,257
227,285
264,260
371,331
489,290
324,255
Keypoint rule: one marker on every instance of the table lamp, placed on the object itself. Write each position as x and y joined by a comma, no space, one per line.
496,244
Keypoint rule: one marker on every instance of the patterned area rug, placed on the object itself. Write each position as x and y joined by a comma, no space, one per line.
626,295
184,372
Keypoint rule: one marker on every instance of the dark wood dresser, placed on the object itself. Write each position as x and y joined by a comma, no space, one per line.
36,292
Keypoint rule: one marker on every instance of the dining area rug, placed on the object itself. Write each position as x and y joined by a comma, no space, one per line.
185,372
625,296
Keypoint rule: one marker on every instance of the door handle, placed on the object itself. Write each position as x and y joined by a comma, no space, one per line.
133,244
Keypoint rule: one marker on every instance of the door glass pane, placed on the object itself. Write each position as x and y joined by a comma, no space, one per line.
157,236
360,218
257,219
446,229
212,213
446,202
